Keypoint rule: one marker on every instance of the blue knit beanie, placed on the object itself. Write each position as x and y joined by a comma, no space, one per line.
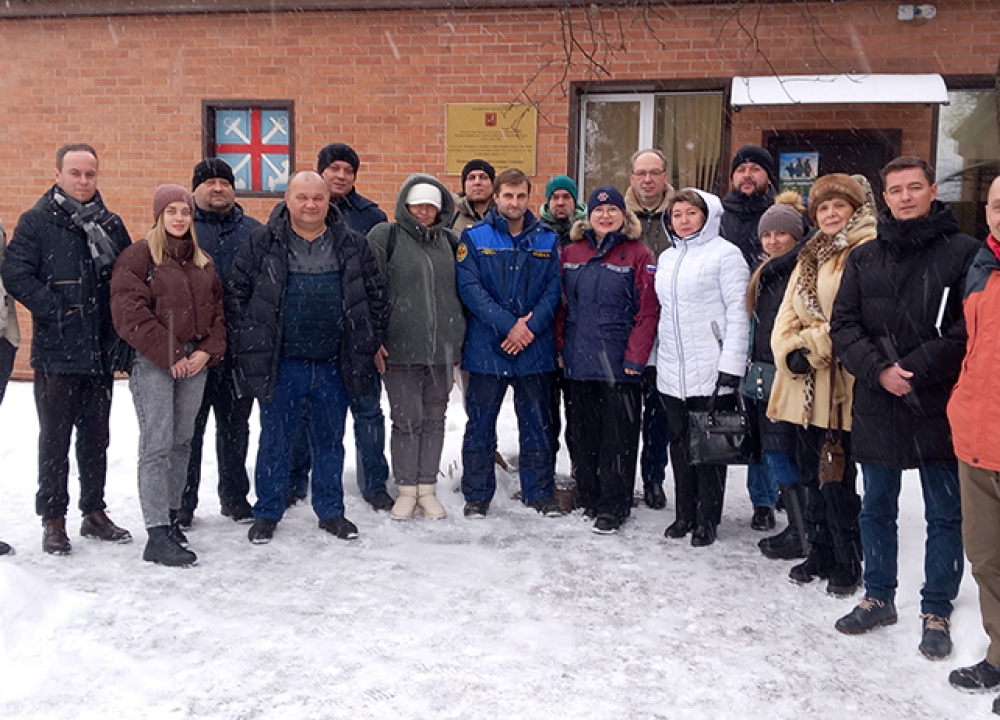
606,195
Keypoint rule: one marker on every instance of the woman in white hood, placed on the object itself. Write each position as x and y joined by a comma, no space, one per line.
701,283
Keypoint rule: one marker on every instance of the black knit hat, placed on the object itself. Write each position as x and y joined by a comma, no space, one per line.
212,168
478,164
334,152
755,154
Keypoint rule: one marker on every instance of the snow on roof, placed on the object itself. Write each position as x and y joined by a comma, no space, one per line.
830,89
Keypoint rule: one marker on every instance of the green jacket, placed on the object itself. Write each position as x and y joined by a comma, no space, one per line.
426,321
562,227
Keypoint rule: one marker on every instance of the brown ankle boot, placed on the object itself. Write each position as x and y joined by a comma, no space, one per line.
55,541
99,526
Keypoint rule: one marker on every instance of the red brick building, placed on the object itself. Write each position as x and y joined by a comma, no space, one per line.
140,80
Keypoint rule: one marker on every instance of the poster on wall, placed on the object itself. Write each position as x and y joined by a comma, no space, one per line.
798,171
505,135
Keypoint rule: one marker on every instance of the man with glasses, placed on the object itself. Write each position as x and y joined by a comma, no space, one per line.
648,196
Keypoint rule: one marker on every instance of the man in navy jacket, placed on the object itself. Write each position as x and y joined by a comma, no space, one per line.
508,279
221,227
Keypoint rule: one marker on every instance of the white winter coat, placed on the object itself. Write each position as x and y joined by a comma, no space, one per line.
701,281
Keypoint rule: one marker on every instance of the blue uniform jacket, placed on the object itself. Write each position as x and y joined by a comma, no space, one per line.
501,279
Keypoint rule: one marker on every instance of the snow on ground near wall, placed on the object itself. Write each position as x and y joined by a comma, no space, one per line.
514,616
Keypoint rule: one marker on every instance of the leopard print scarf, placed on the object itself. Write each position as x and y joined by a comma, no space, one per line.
817,251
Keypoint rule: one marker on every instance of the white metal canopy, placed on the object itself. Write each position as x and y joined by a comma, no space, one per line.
841,89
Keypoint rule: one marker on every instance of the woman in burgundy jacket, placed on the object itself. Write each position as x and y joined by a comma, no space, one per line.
166,301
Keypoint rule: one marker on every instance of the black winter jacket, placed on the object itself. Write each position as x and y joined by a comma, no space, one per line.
775,436
887,311
49,270
254,302
221,235
739,222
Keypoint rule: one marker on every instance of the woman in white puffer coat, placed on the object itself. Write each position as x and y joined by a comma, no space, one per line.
703,333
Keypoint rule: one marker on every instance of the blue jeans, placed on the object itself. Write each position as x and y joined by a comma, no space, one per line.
369,443
943,558
762,486
781,469
483,400
655,432
297,380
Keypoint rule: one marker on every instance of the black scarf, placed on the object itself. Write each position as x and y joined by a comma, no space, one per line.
88,217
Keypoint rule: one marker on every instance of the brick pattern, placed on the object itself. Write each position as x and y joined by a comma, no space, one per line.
133,85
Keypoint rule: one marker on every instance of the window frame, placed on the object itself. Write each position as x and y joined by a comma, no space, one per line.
209,107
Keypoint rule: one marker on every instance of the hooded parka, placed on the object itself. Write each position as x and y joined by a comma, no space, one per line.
426,319
701,283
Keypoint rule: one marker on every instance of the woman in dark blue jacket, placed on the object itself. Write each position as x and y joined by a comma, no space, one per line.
610,324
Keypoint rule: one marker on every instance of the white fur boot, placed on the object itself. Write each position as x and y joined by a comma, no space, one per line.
406,503
428,502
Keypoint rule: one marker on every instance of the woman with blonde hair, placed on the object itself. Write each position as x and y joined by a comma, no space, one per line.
808,372
166,302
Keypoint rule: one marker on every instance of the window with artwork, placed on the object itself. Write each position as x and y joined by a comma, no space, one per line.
256,138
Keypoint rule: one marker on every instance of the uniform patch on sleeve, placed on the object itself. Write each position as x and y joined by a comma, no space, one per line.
651,269
462,252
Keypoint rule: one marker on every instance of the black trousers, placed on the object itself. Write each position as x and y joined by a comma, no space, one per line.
833,509
603,420
557,391
65,402
7,354
232,438
698,489
655,431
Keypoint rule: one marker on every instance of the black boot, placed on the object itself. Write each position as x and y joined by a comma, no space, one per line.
790,543
5,549
175,529
653,495
162,549
818,565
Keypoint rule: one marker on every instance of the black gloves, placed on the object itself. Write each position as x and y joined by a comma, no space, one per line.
797,361
729,381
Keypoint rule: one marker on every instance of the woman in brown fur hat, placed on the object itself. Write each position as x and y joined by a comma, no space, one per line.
803,353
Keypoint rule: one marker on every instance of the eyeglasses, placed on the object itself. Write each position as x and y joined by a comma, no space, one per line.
607,210
648,174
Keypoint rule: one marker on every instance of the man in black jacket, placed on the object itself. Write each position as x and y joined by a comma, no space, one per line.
59,267
222,227
307,313
897,326
753,186
338,165
754,182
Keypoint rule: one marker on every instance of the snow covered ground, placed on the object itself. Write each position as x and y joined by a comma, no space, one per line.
511,617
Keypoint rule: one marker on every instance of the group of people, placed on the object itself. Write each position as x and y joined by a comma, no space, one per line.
842,329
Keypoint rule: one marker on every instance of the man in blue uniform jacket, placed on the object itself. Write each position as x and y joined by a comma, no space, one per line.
508,279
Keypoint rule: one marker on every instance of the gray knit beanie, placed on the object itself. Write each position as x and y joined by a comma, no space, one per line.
783,218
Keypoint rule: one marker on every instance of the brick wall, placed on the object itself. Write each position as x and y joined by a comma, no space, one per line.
133,86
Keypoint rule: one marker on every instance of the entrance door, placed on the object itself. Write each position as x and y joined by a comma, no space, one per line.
839,151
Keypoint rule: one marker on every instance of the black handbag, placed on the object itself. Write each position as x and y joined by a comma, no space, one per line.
720,437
